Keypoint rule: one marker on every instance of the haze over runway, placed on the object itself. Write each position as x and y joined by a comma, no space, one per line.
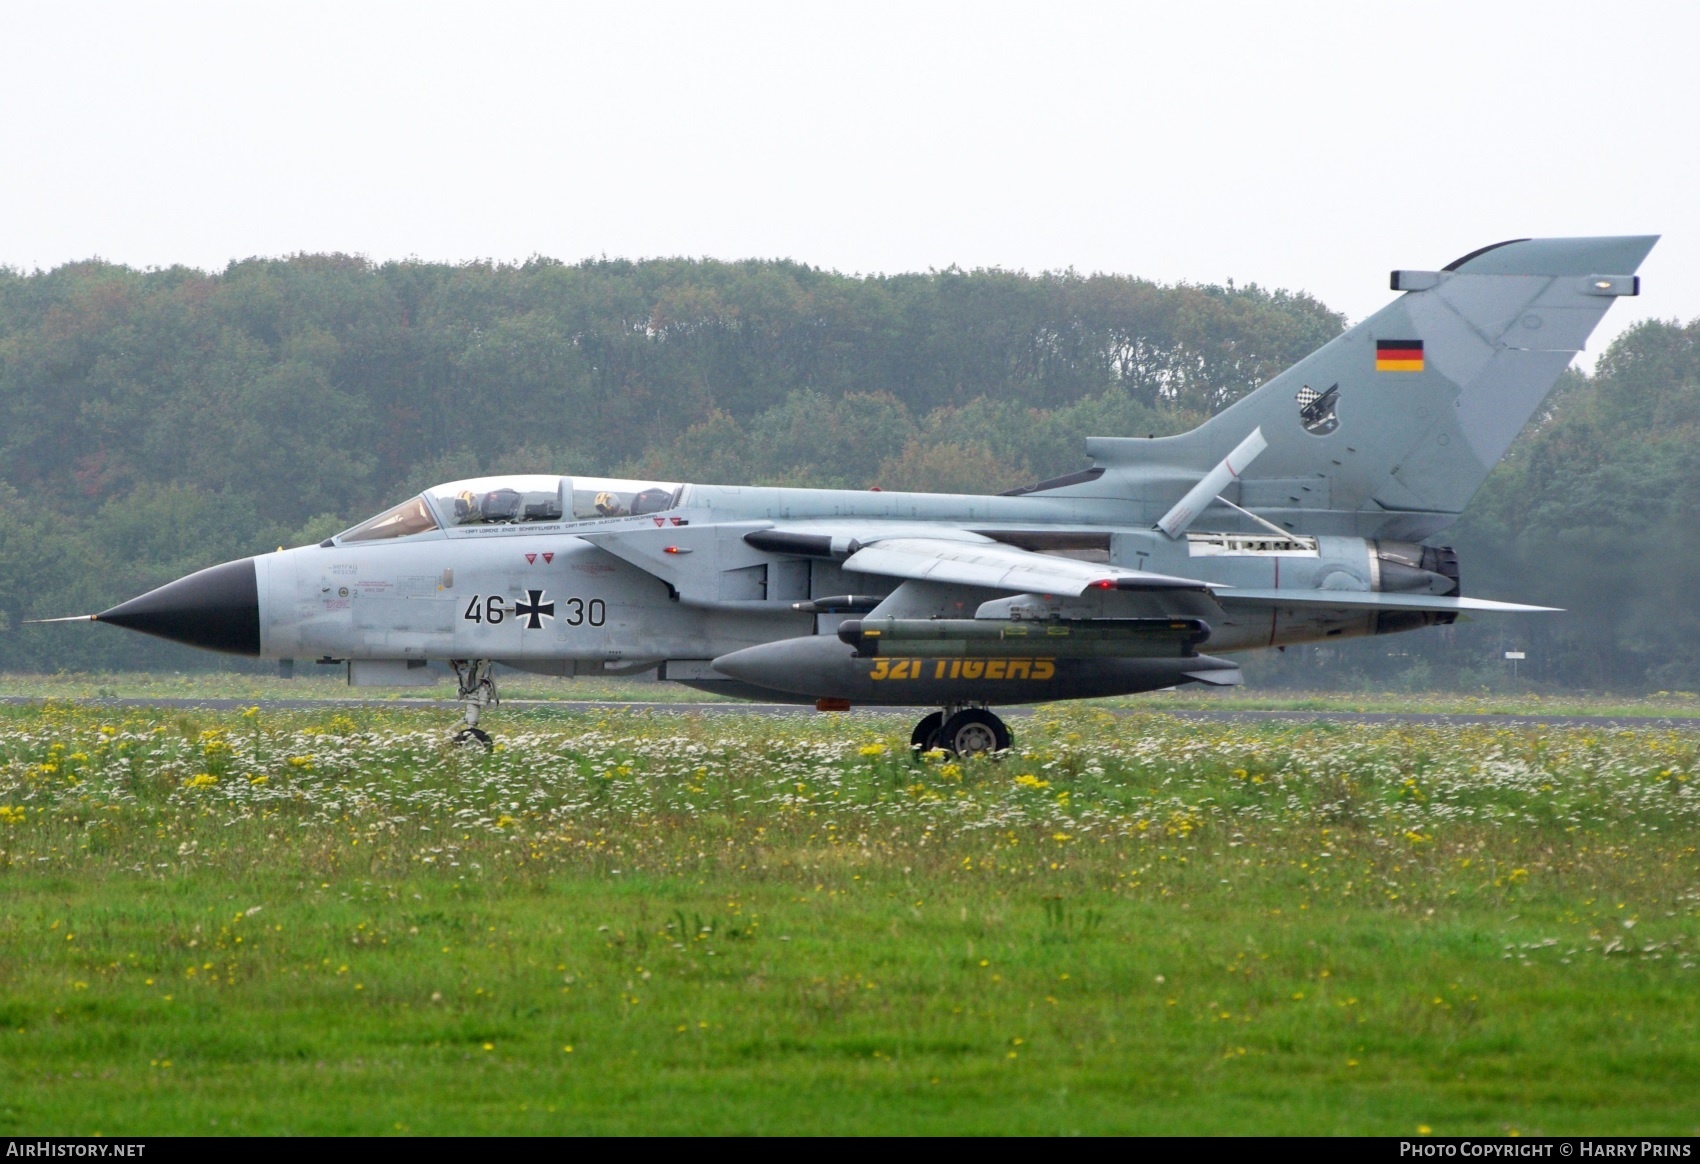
1301,146
1201,715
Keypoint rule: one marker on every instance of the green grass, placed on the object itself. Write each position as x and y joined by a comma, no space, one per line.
332,923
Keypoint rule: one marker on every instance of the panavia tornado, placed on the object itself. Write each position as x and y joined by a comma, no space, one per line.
1305,512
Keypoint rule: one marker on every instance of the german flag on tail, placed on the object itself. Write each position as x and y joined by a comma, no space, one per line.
1399,355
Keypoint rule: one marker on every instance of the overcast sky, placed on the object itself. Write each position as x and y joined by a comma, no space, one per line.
1299,145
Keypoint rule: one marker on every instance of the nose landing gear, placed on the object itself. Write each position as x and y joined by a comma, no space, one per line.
477,681
962,731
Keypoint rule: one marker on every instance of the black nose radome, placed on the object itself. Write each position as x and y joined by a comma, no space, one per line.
217,608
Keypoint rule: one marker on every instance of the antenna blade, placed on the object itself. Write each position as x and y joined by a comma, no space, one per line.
1174,523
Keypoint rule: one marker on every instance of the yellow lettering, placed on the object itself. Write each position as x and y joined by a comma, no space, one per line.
994,668
1019,669
1044,668
938,671
973,668
881,666
956,668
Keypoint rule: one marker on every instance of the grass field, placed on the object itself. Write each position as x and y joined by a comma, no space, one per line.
330,922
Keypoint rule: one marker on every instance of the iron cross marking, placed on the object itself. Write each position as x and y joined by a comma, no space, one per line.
534,611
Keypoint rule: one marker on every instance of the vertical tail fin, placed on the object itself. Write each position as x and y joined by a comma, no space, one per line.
1389,429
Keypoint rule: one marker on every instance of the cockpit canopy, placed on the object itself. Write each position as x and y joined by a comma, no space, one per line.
501,500
513,500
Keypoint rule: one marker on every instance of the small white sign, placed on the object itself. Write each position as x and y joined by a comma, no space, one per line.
1515,655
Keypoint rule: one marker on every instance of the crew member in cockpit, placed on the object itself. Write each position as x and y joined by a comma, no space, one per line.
496,505
610,505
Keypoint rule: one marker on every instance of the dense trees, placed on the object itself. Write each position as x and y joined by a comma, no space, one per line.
157,421
322,383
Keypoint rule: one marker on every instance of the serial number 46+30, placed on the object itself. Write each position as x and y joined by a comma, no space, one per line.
494,610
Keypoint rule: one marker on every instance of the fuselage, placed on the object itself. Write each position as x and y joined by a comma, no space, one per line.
543,596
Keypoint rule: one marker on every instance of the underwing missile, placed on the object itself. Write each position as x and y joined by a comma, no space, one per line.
1099,638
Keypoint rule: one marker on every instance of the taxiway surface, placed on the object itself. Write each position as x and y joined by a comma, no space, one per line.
1203,715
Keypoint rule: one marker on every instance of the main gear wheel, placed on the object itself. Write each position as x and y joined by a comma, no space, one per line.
925,736
973,731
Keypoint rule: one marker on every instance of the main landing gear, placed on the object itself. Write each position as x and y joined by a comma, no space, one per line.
962,731
477,680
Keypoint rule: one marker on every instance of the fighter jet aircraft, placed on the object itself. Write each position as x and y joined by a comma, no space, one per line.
1306,512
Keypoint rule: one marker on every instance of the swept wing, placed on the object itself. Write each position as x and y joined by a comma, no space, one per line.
999,567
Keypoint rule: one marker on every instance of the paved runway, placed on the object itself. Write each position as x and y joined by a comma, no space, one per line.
1202,715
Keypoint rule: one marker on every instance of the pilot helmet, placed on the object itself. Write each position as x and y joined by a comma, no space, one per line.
608,504
466,504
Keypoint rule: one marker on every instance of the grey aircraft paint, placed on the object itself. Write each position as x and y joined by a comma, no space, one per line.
1296,515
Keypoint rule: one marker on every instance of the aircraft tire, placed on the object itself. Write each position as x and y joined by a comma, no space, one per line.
925,736
474,735
973,731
